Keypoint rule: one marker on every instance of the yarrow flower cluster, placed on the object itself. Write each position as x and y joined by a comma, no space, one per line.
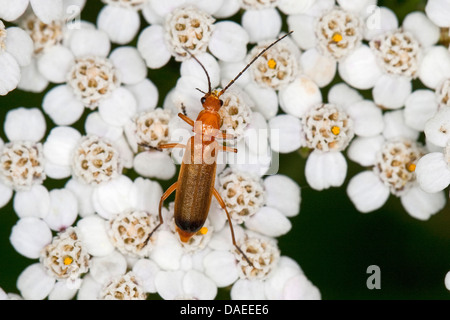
348,85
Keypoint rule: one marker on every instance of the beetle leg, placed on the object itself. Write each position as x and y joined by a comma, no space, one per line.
229,149
222,204
166,194
171,145
186,119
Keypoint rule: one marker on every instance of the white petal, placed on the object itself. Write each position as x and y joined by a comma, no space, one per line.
191,67
259,163
229,70
48,10
62,106
146,94
19,44
395,126
422,205
228,41
220,266
360,7
104,268
228,8
304,30
343,95
265,99
257,134
275,284
262,24
10,76
34,283
31,79
63,209
169,284
290,7
162,8
129,63
55,171
367,192
390,92
447,280
425,31
286,134
85,42
121,24
29,236
146,270
96,125
318,67
10,11
5,194
92,232
432,172
245,289
112,197
363,150
154,164
117,108
360,69
55,63
83,194
380,21
60,144
420,106
438,11
324,170
270,222
367,118
283,193
300,288
437,129
32,203
153,48
145,195
25,124
63,291
90,289
299,96
197,285
167,251
435,66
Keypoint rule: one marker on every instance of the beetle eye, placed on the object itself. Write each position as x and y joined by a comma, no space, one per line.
203,100
221,102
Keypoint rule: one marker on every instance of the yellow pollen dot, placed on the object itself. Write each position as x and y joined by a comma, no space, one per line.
335,130
411,167
203,230
271,64
337,37
67,260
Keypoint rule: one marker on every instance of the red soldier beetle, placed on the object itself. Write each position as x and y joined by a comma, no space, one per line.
195,184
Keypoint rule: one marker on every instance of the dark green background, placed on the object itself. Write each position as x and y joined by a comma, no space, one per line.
333,243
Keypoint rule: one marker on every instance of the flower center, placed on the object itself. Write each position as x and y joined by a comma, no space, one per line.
242,193
443,93
396,164
128,4
327,128
397,52
258,4
22,164
65,257
2,36
96,160
152,127
338,33
235,114
129,232
92,79
277,67
44,35
124,287
188,28
263,254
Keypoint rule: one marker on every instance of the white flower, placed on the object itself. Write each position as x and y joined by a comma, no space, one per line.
328,33
438,11
16,48
395,56
114,82
179,26
393,157
9,296
47,10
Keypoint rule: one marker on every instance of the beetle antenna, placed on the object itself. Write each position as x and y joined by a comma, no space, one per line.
204,69
253,60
